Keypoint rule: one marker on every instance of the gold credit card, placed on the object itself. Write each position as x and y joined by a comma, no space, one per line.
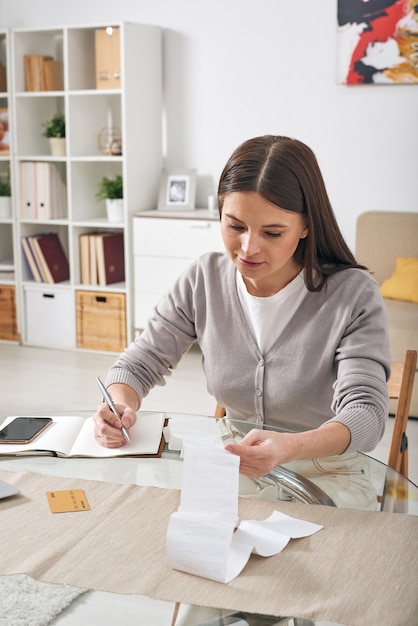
67,501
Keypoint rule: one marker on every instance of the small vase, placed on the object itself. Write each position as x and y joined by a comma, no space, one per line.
114,209
5,207
57,146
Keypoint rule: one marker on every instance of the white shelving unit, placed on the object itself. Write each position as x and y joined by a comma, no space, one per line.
8,274
135,108
7,270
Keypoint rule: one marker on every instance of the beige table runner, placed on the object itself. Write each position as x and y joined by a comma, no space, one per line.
360,569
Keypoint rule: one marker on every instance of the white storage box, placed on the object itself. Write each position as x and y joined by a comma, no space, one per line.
50,317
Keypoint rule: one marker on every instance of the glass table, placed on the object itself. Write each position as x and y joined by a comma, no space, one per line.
350,480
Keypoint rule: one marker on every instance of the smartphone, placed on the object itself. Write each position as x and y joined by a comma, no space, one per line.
24,429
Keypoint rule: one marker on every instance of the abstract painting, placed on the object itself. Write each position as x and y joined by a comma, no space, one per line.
377,42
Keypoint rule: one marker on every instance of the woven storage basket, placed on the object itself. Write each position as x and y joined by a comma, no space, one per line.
101,321
8,320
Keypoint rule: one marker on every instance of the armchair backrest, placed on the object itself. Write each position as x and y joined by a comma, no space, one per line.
381,236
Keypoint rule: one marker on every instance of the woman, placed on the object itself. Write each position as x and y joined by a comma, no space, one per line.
292,330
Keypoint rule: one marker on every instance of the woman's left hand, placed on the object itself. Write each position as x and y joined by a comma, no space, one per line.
262,450
259,452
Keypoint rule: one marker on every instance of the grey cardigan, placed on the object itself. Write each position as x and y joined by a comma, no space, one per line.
330,363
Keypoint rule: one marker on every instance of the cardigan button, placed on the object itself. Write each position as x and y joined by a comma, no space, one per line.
259,392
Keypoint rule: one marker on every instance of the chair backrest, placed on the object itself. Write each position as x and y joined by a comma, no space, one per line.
381,236
400,387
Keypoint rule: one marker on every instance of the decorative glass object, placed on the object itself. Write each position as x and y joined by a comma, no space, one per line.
110,141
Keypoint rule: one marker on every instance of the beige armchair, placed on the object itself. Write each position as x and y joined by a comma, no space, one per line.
381,237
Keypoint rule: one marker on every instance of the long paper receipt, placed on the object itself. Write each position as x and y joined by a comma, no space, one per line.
202,536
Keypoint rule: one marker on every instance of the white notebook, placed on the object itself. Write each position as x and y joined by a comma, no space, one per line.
73,436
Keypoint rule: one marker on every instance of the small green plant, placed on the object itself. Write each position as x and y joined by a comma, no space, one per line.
111,188
55,127
5,189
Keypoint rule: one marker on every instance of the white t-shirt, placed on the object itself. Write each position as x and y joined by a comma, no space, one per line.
269,316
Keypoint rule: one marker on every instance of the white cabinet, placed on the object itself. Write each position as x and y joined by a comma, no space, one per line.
132,103
164,246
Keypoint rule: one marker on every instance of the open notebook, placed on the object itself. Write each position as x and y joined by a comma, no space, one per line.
72,436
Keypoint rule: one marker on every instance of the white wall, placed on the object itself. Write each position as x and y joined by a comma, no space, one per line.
239,68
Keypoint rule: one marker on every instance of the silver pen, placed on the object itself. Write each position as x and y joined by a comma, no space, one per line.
108,398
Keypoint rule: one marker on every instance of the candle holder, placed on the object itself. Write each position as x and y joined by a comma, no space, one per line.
110,141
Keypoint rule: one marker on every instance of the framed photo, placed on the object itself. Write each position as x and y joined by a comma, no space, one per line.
177,190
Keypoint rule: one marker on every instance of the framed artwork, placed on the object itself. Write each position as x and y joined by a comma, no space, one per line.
377,42
178,190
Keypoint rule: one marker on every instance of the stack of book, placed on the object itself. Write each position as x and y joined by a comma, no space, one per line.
102,258
46,258
42,73
42,191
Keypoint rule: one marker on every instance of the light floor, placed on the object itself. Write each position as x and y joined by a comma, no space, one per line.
38,379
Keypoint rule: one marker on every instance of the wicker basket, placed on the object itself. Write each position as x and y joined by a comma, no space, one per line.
8,320
101,321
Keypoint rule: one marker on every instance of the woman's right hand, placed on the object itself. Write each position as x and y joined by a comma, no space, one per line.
108,427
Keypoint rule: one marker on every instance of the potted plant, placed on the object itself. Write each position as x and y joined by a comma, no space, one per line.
111,190
5,195
54,130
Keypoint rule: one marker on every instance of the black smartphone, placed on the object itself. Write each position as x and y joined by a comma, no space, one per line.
24,429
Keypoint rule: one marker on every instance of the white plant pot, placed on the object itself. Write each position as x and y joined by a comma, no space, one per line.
57,146
5,207
114,209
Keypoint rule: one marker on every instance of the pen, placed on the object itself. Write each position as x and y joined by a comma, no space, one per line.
108,398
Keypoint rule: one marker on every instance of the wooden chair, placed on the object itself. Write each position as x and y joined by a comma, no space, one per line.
400,387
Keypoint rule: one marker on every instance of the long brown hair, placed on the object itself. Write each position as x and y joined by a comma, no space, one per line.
285,172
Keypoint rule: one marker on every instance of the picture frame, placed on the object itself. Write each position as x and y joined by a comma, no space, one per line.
177,190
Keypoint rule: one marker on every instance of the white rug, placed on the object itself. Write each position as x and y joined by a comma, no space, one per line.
28,602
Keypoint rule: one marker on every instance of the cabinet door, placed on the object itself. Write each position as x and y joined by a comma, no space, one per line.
153,278
163,249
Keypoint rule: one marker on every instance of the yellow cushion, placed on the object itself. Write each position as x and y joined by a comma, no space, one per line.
403,284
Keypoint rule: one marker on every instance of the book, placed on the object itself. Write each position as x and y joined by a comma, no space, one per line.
3,77
36,63
93,260
51,257
39,259
31,260
110,258
42,73
53,77
73,436
28,73
34,66
84,245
